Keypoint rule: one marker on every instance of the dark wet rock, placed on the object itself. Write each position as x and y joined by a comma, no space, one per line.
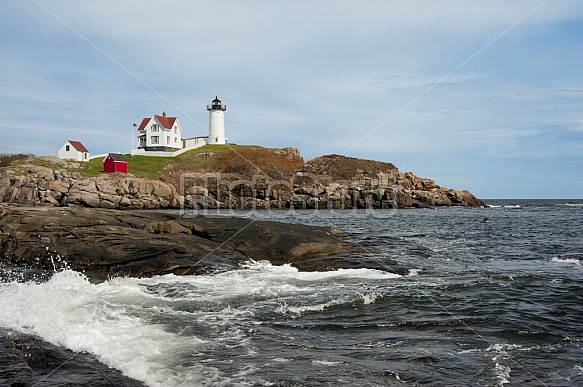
27,360
102,243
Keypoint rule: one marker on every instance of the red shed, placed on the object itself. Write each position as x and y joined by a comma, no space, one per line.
115,162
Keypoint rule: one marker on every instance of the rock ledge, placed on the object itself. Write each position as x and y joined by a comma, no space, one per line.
104,243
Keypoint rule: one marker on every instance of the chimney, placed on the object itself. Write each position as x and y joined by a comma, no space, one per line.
163,114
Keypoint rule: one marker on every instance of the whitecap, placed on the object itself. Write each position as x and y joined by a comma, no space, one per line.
504,206
573,261
326,362
414,272
502,348
370,298
104,319
502,373
284,308
287,270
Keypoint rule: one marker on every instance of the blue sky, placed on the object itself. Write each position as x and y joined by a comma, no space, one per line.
485,96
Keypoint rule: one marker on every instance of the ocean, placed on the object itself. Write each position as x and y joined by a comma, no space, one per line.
482,297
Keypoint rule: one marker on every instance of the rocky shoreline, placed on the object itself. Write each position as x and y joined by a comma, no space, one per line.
312,187
53,218
36,242
104,243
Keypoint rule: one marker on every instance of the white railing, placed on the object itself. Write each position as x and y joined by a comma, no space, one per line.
102,155
143,152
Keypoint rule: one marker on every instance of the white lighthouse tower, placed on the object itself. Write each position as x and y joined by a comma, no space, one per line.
216,122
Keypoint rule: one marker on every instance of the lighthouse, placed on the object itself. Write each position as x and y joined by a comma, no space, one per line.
216,122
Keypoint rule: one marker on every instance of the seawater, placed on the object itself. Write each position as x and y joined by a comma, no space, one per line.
496,303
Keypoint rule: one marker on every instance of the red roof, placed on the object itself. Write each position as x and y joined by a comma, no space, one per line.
144,123
166,122
78,146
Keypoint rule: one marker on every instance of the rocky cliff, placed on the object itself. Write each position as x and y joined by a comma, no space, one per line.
35,185
327,182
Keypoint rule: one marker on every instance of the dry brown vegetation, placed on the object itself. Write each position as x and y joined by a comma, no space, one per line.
234,163
7,158
345,168
256,161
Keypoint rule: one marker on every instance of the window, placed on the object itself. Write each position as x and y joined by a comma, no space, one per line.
175,130
154,127
216,139
85,154
67,148
155,140
175,140
167,139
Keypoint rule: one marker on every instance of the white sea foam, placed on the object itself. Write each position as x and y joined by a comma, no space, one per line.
504,206
285,309
326,362
414,272
366,299
471,350
572,261
290,271
370,298
502,373
69,311
123,321
256,278
503,348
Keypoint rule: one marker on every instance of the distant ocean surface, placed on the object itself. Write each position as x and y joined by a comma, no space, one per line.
480,304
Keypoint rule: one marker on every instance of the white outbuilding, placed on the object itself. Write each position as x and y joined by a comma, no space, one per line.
73,150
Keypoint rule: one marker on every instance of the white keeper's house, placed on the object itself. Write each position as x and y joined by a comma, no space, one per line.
163,135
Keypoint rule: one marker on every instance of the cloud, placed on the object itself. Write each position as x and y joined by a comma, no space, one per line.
319,76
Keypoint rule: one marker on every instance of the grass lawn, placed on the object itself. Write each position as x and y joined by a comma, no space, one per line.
229,158
155,167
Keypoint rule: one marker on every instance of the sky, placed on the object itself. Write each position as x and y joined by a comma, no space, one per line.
484,96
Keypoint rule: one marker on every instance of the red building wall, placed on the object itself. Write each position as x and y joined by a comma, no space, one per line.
112,166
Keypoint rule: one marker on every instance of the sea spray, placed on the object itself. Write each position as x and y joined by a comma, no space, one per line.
100,318
150,327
